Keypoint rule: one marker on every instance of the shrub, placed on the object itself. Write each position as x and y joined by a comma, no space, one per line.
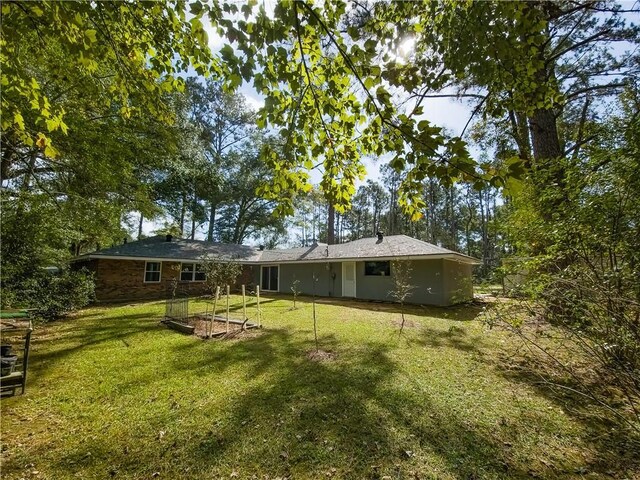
56,295
220,272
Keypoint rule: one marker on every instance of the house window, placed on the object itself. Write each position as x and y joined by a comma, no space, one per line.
269,278
200,275
378,269
192,272
152,272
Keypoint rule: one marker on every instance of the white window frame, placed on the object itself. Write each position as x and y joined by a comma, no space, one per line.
193,274
269,266
144,276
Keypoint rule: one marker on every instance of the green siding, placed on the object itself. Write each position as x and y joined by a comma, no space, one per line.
369,287
438,282
328,284
428,278
458,282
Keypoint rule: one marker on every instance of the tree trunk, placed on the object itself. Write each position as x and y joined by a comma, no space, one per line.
331,227
432,211
520,132
483,227
314,237
544,136
26,181
467,227
8,154
547,168
548,171
212,221
140,226
194,207
183,213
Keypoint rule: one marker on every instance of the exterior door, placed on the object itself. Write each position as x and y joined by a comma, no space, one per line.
348,279
269,277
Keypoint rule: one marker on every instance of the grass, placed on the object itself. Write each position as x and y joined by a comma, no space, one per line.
114,394
488,289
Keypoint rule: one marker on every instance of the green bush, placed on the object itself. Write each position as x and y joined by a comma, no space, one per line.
55,295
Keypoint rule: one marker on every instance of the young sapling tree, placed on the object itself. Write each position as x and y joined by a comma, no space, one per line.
402,286
295,288
315,323
219,272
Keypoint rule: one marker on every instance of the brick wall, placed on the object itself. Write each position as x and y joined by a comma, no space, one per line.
124,280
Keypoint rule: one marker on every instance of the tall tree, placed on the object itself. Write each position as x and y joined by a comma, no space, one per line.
225,121
246,214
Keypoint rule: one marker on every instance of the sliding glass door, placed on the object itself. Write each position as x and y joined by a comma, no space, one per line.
269,277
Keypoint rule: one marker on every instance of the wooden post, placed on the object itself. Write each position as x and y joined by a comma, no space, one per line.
227,308
213,314
206,314
244,307
258,304
315,323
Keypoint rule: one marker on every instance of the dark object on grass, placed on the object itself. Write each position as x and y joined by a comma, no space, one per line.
13,368
8,364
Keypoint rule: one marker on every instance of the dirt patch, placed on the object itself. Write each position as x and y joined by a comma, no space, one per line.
219,329
205,328
321,355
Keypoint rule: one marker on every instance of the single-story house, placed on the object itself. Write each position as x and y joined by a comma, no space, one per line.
362,269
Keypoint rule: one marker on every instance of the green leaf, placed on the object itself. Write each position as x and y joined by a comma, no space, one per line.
52,124
227,53
370,46
91,35
18,120
196,7
235,80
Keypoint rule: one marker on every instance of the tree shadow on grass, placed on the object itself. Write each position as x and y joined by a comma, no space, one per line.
63,340
291,416
346,415
461,312
203,306
454,337
339,417
617,445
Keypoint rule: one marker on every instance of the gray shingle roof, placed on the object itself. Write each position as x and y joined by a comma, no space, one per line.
178,248
390,247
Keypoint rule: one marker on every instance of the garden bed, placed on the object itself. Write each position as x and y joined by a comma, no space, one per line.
203,326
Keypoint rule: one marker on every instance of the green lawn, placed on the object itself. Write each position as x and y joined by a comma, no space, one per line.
112,393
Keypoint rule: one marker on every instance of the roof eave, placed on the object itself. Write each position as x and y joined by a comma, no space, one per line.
149,259
435,256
